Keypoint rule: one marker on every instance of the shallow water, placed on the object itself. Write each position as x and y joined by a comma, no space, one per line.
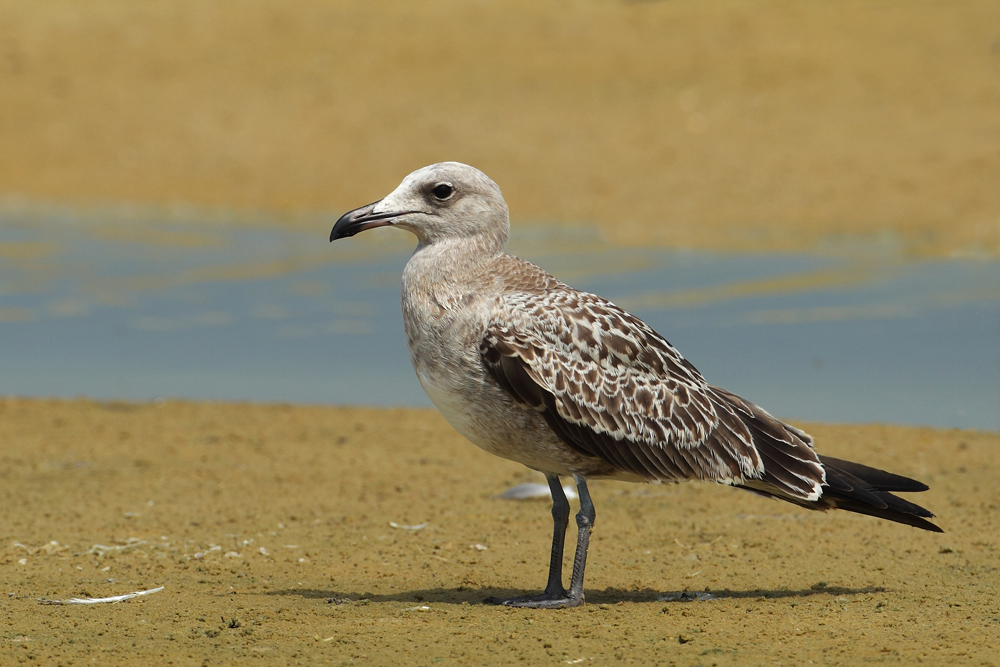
122,307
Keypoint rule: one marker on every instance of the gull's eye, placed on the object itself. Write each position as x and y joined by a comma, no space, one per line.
443,191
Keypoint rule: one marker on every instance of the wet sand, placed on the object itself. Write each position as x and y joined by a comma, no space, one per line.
269,528
726,125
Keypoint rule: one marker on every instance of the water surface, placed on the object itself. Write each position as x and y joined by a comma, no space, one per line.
133,308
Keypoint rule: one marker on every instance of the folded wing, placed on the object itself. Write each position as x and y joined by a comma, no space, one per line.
614,389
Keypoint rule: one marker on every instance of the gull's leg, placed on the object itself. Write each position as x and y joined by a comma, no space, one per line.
555,594
584,524
560,520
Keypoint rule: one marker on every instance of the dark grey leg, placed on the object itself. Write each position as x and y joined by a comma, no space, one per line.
584,524
560,520
555,596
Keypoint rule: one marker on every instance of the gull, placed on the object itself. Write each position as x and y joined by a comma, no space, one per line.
569,384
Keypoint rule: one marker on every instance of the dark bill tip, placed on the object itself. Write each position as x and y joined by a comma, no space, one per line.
359,220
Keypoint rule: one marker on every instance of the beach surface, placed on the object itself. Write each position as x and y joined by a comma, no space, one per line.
319,535
326,535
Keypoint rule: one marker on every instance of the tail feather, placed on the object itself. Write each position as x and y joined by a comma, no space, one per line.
858,488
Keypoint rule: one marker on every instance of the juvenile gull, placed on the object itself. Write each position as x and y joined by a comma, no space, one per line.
567,383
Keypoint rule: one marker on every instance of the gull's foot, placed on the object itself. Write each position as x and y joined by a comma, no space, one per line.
544,601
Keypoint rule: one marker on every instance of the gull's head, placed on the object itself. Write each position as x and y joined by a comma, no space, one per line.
444,201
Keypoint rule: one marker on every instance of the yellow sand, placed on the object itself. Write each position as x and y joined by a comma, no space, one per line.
726,124
269,527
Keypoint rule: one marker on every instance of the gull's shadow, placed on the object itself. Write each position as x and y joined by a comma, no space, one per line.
607,596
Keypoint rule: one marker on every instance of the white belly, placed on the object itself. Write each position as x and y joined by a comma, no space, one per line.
452,406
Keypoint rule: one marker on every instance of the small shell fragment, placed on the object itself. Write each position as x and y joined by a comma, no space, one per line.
405,527
533,491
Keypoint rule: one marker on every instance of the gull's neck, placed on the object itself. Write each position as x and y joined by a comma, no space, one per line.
451,259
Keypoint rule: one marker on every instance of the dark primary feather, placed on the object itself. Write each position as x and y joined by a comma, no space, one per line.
614,390
878,479
865,490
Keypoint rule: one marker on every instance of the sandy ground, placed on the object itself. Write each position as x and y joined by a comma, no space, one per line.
269,527
729,124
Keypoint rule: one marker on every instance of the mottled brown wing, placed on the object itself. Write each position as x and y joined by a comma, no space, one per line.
613,388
